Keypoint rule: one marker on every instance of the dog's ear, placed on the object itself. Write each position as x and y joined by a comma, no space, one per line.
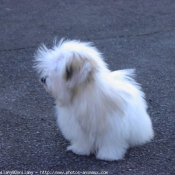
77,71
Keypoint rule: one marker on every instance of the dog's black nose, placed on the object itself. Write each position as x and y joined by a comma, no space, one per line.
43,80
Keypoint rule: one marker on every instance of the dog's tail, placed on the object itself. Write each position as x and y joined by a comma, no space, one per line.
126,75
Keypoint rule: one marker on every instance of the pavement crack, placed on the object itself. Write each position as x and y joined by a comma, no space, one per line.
137,34
151,33
120,36
20,48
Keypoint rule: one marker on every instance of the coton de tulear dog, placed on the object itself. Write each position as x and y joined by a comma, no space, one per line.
98,111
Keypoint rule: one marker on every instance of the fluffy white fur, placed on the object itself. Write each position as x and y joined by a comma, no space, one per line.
98,111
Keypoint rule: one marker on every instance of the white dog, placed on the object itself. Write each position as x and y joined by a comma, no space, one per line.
98,111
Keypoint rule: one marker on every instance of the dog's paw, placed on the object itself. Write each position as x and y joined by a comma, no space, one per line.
78,150
110,155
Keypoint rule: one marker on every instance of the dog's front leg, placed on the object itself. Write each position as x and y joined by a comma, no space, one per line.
81,146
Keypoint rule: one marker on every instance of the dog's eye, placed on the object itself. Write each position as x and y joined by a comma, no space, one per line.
69,72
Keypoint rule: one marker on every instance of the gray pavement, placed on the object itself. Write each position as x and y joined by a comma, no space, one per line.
131,34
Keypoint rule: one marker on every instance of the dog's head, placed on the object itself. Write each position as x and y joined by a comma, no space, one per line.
68,66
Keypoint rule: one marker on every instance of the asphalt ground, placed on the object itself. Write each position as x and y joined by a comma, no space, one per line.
132,34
